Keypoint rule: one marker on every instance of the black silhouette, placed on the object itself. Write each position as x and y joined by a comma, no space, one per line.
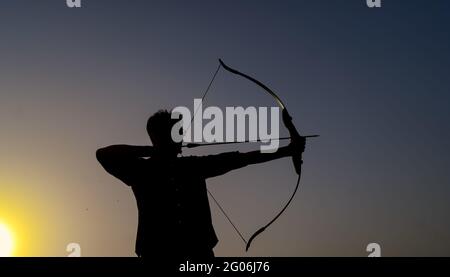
174,213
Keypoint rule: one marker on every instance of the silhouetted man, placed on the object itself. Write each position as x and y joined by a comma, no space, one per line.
174,213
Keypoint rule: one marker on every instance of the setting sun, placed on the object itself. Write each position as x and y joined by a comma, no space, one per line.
6,241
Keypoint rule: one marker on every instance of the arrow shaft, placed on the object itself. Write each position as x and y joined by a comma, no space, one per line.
193,145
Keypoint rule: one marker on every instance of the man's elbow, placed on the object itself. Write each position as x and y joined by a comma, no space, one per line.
101,155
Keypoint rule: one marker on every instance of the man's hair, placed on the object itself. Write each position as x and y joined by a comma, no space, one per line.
160,123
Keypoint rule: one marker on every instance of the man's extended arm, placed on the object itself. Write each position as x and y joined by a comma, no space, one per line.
255,157
216,165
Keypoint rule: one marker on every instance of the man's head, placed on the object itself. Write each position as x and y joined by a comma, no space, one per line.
159,128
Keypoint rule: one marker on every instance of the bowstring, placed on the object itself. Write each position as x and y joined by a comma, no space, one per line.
209,192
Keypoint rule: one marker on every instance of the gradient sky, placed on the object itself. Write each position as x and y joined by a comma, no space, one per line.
374,83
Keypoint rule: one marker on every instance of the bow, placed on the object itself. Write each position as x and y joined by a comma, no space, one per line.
294,136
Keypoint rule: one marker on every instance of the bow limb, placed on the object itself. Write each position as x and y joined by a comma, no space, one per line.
268,90
295,136
287,119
